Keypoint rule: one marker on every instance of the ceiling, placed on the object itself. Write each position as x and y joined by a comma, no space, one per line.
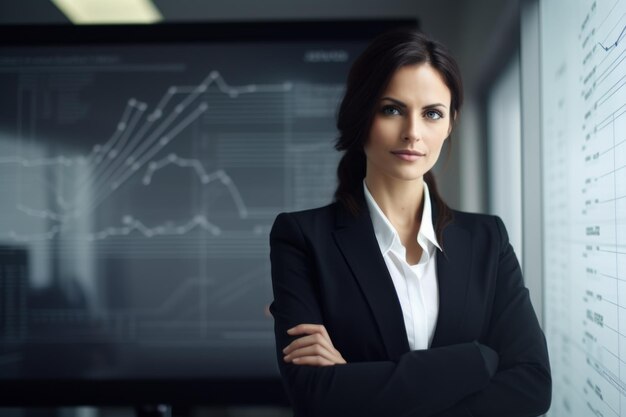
44,11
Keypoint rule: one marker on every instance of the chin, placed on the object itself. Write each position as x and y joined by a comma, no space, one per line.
396,171
408,176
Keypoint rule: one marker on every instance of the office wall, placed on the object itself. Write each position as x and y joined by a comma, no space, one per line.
504,136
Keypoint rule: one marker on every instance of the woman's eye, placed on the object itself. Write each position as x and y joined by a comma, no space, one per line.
433,115
390,110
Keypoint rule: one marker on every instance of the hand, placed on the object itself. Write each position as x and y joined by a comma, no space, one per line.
316,349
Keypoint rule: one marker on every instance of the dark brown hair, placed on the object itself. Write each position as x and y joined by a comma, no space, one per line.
368,78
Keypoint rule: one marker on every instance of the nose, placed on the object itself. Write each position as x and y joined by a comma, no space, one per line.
412,128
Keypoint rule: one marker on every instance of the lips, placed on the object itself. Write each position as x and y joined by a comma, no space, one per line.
407,155
407,152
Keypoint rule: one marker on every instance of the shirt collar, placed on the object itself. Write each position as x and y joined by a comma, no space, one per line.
386,234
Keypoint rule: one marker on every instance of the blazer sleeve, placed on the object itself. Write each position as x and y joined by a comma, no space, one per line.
522,386
420,383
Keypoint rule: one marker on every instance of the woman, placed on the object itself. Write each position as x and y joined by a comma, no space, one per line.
387,302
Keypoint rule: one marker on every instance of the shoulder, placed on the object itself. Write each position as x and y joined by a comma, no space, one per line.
474,220
306,221
481,225
312,216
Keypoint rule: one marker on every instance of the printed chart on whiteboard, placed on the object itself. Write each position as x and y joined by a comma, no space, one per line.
583,74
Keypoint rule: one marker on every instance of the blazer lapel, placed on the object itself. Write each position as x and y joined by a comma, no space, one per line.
356,239
453,269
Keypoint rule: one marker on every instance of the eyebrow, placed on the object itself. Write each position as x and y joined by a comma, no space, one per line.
401,104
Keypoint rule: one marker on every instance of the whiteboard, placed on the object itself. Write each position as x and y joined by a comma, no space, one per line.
583,77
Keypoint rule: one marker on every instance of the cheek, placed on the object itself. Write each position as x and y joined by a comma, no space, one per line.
382,131
438,136
370,150
374,136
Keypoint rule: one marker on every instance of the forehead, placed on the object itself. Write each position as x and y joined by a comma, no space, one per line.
418,84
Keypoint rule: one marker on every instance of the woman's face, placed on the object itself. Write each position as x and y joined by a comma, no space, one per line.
411,123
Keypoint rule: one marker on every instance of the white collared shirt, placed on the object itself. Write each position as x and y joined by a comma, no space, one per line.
416,285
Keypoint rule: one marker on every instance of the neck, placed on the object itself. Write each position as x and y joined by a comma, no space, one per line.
401,201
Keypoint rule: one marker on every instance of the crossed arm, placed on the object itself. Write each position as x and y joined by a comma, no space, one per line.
457,380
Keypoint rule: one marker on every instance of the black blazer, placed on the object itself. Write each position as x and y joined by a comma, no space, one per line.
327,269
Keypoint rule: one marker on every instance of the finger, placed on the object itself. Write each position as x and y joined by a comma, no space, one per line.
313,361
329,356
325,333
312,329
312,339
319,350
313,350
307,328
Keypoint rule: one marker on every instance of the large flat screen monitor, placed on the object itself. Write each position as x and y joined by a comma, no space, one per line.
141,169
